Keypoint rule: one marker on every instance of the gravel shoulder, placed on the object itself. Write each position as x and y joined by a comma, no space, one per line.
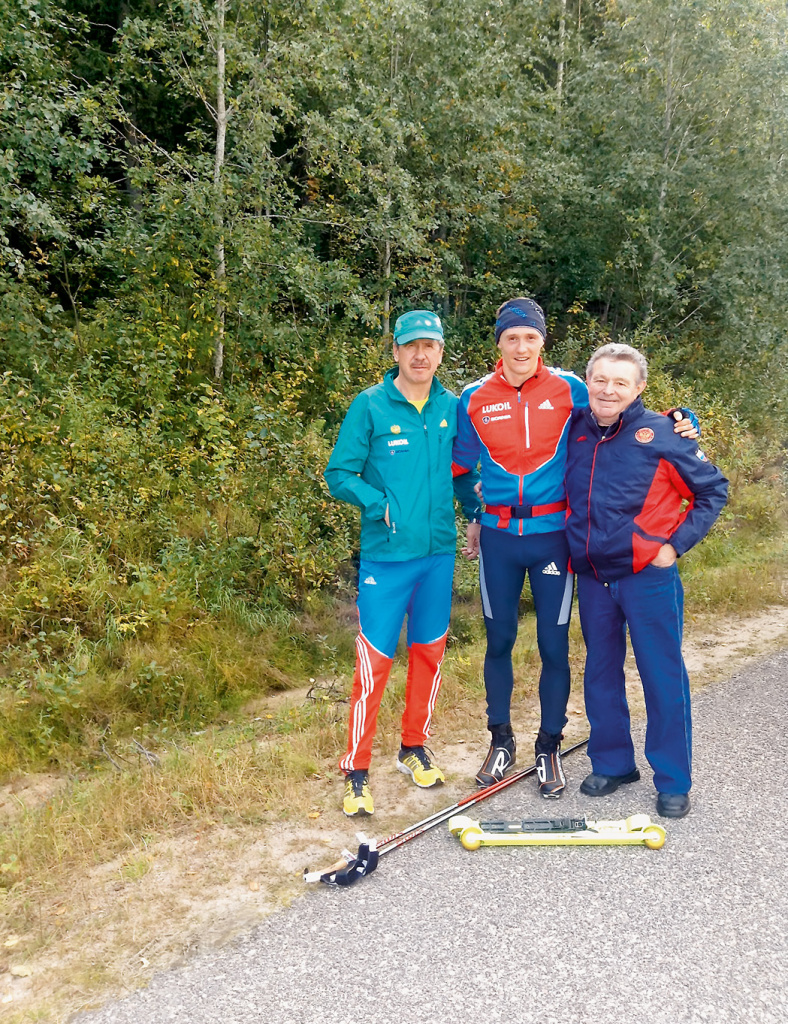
691,933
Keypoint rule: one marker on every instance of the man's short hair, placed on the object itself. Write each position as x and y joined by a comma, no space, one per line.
623,352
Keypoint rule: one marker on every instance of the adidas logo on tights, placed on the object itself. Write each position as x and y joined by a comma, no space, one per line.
551,570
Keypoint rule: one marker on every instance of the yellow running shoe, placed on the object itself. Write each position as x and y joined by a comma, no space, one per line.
415,761
358,799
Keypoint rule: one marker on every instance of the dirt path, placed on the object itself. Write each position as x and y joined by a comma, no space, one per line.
135,916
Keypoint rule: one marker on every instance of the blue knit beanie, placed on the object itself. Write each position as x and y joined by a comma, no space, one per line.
520,313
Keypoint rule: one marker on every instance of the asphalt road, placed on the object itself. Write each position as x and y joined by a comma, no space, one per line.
693,932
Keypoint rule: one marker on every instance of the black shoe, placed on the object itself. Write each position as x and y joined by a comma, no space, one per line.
601,785
549,771
500,757
673,805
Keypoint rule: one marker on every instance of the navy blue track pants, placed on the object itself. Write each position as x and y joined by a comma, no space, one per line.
504,560
651,603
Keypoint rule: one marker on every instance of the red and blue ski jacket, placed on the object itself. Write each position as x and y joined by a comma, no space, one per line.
635,489
520,436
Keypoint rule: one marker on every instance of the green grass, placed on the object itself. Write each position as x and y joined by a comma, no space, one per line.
216,755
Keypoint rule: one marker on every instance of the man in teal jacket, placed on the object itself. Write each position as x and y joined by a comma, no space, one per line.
393,458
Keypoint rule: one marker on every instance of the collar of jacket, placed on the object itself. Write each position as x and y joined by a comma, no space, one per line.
394,392
525,383
631,413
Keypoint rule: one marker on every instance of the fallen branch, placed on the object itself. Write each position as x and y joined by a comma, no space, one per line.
153,759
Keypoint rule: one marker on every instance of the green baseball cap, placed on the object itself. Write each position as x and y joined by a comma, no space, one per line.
419,323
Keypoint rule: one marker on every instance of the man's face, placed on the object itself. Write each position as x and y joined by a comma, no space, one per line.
418,360
613,386
520,348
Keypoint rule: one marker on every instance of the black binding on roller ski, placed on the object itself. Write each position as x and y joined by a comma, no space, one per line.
535,825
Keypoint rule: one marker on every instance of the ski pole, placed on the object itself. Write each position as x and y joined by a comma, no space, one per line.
399,838
345,872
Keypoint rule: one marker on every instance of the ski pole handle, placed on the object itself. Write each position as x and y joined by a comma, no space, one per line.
315,876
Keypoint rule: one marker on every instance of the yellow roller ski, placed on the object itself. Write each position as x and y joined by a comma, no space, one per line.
637,830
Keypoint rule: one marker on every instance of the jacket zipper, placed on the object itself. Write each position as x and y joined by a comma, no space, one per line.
601,441
588,509
527,440
429,471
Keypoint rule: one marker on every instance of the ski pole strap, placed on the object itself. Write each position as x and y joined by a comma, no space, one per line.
535,825
364,863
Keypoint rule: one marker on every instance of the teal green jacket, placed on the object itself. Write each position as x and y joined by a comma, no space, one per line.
388,454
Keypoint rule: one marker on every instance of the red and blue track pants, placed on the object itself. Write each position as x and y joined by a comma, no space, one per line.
388,592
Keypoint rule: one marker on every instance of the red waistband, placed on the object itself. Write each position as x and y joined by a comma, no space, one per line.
506,513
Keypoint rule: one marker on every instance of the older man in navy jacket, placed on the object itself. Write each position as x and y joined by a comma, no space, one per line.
639,497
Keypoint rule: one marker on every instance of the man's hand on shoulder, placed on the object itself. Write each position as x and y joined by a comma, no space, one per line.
471,549
684,425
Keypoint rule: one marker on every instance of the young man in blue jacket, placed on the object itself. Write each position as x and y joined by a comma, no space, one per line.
638,498
514,422
393,458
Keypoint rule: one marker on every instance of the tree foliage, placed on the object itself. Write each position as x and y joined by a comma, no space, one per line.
211,213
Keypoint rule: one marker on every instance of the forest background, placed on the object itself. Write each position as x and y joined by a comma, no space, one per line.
209,216
211,213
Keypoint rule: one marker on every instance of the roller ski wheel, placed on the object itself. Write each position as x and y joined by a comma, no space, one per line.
471,836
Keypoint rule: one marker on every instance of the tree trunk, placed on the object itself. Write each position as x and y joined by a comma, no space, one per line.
672,97
559,85
221,136
72,298
131,137
387,291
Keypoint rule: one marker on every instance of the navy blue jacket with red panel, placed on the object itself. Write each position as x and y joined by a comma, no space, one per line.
634,490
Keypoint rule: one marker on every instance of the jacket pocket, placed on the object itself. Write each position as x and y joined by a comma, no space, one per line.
394,517
643,551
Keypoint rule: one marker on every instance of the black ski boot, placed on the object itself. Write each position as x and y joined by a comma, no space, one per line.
500,756
549,771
